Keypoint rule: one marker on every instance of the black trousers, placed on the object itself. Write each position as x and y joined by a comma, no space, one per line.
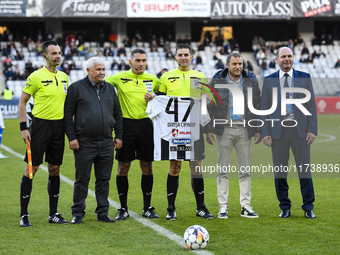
100,154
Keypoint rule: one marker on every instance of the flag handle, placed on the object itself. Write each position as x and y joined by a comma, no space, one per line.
29,157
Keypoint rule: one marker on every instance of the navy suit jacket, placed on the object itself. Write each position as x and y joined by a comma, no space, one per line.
306,124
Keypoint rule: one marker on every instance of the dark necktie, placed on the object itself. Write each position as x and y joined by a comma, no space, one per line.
285,85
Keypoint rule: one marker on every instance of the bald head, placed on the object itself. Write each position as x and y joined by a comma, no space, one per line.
285,59
281,48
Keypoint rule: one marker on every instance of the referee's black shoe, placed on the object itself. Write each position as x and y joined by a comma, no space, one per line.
171,215
105,218
24,221
122,214
204,213
56,218
150,213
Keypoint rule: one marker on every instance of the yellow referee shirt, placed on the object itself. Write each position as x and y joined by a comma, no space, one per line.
183,84
49,92
131,89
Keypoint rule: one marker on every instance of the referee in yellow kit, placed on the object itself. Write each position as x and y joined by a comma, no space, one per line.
138,144
179,82
48,86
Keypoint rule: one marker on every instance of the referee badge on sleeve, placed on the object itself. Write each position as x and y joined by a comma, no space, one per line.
65,87
148,87
196,83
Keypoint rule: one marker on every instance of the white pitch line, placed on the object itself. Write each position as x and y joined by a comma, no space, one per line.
330,138
146,222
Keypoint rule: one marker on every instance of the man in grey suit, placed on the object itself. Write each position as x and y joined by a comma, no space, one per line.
295,130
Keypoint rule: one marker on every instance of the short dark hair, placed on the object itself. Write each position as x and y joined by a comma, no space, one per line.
29,69
183,46
48,43
235,55
135,51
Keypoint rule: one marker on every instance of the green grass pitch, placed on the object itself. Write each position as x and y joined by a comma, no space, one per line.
235,235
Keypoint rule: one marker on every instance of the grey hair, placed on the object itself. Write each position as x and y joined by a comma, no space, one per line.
94,60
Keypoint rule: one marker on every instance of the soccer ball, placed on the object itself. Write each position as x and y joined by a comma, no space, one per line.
196,237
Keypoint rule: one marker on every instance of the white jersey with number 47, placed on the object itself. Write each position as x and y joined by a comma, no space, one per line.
177,126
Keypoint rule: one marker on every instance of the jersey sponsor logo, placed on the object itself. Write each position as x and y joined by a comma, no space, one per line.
181,148
173,79
125,80
174,132
148,87
185,132
181,141
48,82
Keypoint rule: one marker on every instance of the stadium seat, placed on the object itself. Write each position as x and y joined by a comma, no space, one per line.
173,45
87,45
17,88
21,65
10,84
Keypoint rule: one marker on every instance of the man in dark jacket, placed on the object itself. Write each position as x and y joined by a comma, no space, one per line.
234,130
96,110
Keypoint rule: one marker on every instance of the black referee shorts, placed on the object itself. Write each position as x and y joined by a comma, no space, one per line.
47,136
137,140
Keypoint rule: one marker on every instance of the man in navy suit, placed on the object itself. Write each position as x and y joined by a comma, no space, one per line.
295,130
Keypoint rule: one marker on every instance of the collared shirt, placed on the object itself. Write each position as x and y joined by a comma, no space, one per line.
282,78
49,92
183,83
289,108
131,89
230,105
95,85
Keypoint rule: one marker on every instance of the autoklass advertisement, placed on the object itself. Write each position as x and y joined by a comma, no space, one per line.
231,9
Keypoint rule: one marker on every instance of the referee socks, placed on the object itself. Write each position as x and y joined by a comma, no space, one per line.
25,194
197,184
53,188
122,188
146,185
172,187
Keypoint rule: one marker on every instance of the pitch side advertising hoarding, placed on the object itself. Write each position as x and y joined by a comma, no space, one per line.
313,8
21,8
85,8
328,105
9,108
167,8
264,9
